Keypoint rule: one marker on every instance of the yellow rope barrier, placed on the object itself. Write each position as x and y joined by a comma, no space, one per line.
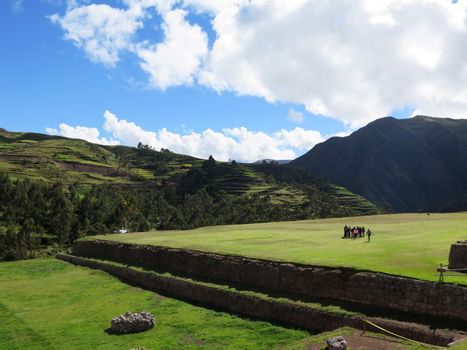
400,336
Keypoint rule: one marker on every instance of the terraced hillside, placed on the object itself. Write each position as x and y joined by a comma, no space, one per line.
360,205
69,161
55,158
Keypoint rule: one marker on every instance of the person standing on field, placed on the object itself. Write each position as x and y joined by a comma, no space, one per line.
368,234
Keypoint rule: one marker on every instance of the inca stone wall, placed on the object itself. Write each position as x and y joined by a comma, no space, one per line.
361,287
458,256
281,311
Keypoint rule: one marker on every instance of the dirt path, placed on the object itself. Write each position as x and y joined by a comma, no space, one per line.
368,341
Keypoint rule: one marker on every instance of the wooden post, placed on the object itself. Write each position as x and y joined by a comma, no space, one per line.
441,271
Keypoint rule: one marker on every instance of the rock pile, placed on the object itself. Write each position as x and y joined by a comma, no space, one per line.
336,343
132,322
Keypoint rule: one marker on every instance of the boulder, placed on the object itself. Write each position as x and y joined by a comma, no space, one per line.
132,322
458,255
336,343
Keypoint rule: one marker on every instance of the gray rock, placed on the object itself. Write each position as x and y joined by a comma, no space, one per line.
132,322
337,343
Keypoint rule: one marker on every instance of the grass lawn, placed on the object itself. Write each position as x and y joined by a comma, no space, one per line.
404,244
49,304
52,305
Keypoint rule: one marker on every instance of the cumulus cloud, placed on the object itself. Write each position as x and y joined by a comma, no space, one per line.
352,60
239,143
177,59
299,138
81,132
100,30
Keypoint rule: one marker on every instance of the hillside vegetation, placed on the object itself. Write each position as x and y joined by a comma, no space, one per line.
55,158
404,165
410,245
55,190
70,161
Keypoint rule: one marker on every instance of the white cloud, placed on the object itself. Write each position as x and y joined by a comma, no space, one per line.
352,60
342,133
177,59
239,143
101,30
81,132
295,116
299,138
128,132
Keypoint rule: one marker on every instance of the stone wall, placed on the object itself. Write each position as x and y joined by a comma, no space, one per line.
458,256
273,310
361,287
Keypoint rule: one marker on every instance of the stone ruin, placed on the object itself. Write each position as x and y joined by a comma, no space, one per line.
458,255
132,322
336,343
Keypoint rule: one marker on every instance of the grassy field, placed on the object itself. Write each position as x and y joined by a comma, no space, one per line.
49,304
404,244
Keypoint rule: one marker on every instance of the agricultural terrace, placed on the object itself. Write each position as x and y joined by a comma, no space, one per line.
47,304
53,305
410,245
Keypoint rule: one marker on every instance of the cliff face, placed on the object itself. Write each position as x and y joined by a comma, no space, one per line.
409,164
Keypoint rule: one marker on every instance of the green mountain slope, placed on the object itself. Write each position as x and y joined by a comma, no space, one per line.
410,164
54,158
71,161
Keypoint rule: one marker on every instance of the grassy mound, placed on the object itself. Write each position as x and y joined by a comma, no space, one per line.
410,245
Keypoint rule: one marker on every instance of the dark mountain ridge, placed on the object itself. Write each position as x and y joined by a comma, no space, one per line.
408,164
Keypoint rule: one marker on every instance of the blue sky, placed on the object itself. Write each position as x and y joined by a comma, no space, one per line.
219,79
46,81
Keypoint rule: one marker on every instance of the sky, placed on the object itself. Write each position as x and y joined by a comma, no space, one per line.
236,79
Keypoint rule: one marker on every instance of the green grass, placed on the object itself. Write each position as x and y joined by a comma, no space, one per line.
49,304
410,245
461,346
52,305
332,309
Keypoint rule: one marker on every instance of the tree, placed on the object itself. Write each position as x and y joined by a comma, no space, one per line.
160,167
209,163
61,214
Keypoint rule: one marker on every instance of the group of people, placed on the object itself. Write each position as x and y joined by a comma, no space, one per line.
356,231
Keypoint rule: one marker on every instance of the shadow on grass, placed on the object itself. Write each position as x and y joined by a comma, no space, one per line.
109,331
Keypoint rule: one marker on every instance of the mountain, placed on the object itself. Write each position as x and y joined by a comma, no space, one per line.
53,159
408,164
